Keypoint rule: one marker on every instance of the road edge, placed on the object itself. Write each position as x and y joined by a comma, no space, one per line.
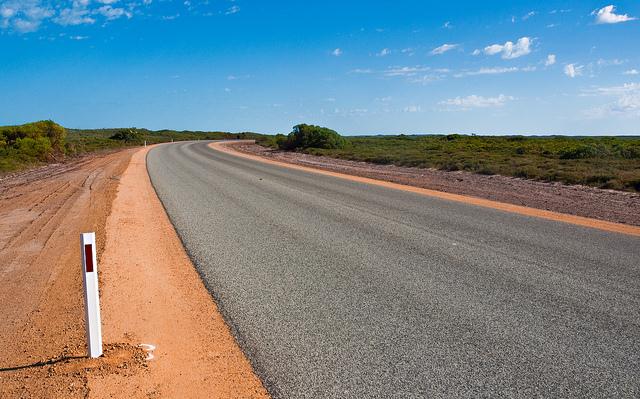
153,294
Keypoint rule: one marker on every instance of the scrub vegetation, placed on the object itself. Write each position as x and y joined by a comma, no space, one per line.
605,162
310,136
45,141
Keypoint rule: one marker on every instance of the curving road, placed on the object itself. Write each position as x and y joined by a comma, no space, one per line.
337,289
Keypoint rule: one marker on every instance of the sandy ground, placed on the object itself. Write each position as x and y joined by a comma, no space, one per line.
150,291
42,213
608,205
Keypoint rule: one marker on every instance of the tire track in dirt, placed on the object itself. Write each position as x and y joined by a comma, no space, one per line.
43,341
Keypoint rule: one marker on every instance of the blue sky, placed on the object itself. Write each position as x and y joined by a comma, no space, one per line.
360,67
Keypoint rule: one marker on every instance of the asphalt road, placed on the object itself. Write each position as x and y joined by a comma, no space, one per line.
336,289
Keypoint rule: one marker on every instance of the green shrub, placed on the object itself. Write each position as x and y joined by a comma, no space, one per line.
127,135
309,136
39,148
30,143
54,132
631,152
47,129
581,152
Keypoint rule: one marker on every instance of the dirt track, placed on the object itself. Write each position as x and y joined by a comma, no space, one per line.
42,213
152,296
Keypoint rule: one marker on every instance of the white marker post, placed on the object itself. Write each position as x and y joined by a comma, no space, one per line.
91,295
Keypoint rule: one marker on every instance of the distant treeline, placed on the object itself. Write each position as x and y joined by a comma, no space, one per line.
605,162
46,141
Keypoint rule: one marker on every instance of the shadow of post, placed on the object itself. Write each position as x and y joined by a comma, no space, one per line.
41,364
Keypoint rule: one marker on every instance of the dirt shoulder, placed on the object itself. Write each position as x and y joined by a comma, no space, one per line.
42,213
152,294
150,291
607,205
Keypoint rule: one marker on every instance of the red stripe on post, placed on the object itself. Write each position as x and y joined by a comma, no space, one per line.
88,257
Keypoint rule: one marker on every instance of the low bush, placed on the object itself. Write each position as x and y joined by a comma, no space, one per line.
30,144
309,136
581,152
127,135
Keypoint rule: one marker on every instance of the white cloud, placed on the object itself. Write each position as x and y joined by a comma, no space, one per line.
111,13
632,72
232,10
427,78
24,16
551,59
74,16
615,61
476,52
510,50
493,71
529,15
412,109
443,49
384,52
627,102
405,71
493,49
28,15
626,88
24,26
409,51
7,12
475,101
607,15
573,70
361,71
337,52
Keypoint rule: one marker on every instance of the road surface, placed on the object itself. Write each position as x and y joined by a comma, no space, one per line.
338,289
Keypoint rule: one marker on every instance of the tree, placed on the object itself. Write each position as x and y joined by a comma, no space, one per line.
309,136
